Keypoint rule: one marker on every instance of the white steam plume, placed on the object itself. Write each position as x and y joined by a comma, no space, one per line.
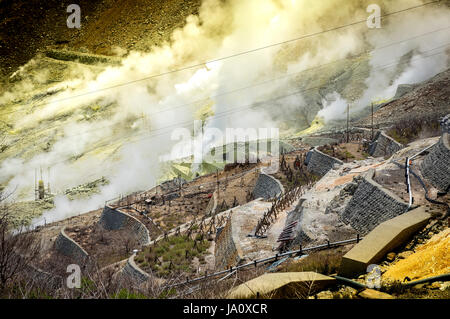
114,147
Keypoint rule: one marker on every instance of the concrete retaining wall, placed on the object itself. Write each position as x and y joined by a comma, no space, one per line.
371,205
132,271
383,145
227,251
383,239
436,165
445,124
114,219
267,187
319,163
68,247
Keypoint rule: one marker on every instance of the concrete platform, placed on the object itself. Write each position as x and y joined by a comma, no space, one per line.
381,240
282,285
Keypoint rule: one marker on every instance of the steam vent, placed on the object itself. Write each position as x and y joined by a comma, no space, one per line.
225,149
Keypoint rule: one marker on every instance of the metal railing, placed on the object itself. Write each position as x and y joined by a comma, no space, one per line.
257,262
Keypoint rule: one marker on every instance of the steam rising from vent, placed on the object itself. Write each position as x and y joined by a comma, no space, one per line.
125,142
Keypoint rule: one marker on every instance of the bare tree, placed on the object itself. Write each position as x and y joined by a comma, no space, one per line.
128,244
18,248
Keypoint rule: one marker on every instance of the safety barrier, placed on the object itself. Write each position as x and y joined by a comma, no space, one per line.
257,262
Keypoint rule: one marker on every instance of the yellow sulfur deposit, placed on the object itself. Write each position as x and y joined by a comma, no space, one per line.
316,125
430,259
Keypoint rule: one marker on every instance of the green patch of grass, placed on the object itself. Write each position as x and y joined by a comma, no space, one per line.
167,293
126,294
173,255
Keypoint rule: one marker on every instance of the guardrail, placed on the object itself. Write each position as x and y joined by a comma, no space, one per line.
255,263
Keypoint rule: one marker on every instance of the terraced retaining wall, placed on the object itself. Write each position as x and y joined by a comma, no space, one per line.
114,219
383,145
371,205
436,165
319,163
68,247
267,187
227,251
131,270
445,124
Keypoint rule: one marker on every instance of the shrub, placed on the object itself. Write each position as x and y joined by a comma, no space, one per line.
178,250
323,262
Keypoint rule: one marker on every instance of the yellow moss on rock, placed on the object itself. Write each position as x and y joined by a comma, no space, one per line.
430,259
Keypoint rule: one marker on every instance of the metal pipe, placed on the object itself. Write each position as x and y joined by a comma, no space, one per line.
425,188
407,169
350,282
417,154
265,260
444,277
408,184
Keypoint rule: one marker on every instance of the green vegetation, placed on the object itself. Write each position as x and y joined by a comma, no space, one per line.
172,255
338,153
126,294
167,293
343,153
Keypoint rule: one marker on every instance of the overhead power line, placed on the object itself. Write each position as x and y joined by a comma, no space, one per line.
235,55
145,135
284,76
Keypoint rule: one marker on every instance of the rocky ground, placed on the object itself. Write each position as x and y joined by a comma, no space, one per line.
322,205
105,26
430,98
113,28
106,247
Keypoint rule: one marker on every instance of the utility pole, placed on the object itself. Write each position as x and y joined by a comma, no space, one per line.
48,181
35,185
372,119
348,118
217,179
